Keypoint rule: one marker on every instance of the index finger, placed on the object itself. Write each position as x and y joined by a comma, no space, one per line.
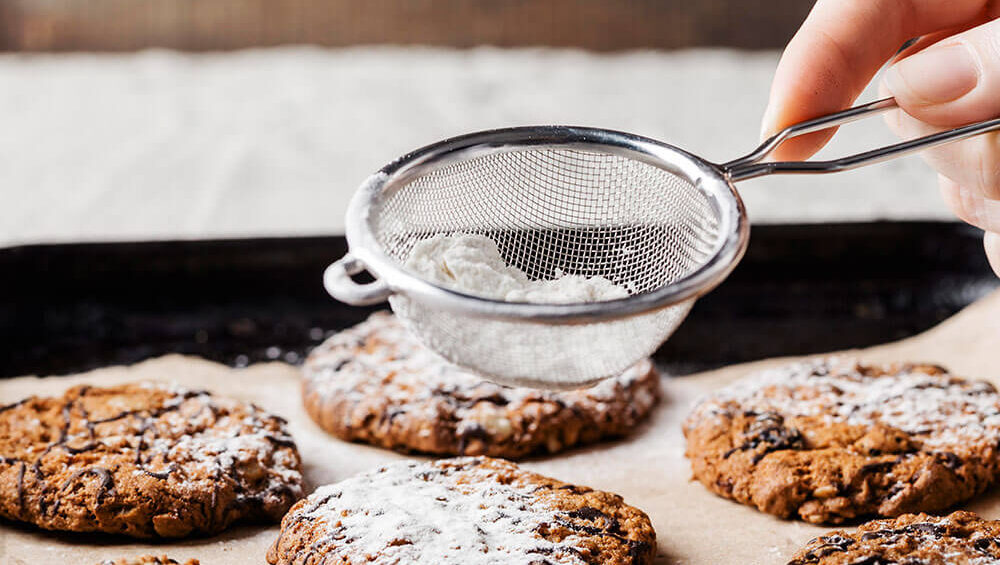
838,50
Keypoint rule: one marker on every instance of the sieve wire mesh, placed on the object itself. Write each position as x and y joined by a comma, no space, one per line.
554,211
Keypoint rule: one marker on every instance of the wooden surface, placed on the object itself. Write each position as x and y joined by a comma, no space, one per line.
198,25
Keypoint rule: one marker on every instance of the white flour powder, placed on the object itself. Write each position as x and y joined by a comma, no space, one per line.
472,264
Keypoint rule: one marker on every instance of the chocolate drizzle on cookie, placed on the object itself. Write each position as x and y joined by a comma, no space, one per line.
830,440
961,537
148,560
82,453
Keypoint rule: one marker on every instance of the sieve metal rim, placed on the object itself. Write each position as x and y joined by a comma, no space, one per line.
715,181
366,252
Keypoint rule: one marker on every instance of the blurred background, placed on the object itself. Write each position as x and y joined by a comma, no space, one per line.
207,149
138,120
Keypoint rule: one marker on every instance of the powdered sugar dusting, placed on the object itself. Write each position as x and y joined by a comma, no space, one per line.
180,461
961,537
450,512
194,434
472,263
937,409
381,353
930,533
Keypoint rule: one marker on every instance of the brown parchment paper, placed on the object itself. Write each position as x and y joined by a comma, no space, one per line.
649,469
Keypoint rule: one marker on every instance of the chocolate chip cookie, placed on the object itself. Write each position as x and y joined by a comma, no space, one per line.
464,511
914,539
831,440
149,560
375,383
144,460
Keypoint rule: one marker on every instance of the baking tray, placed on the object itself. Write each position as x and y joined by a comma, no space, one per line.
800,289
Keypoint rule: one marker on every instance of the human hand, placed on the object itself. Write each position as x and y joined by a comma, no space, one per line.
949,77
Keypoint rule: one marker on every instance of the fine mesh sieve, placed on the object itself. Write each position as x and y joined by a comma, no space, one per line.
665,224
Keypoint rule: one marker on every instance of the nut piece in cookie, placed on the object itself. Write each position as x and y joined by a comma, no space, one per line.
463,511
961,538
375,383
831,440
148,560
144,460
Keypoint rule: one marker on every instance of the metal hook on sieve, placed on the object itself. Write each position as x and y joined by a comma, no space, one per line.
750,166
337,281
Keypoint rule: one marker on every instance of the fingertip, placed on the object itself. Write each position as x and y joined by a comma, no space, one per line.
957,200
949,188
796,148
887,90
767,127
802,147
992,244
893,84
883,88
971,205
937,75
810,81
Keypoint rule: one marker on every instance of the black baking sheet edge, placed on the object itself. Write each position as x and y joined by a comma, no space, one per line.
800,289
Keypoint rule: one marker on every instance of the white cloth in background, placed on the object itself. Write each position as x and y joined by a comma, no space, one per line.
273,142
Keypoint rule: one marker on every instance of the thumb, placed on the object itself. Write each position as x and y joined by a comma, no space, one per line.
953,82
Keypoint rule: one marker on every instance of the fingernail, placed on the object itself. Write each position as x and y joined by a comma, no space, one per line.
934,76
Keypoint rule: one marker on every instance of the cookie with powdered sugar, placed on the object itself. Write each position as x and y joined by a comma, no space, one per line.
148,560
830,440
375,383
144,460
961,538
463,511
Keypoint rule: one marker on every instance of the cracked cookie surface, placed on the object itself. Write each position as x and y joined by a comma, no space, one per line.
961,538
144,460
462,511
830,440
375,383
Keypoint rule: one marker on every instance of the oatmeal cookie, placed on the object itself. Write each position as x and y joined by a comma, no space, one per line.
375,383
144,460
464,511
959,539
148,560
832,440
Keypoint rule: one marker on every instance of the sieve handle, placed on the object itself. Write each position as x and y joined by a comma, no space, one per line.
337,281
749,167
